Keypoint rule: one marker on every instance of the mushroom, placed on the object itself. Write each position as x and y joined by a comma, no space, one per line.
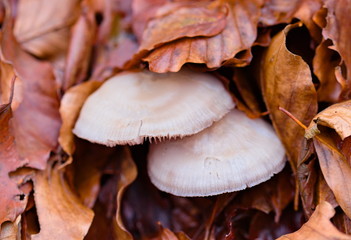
135,105
234,153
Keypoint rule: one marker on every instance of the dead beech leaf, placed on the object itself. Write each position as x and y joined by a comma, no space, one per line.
71,104
339,15
278,11
336,171
60,212
128,173
36,121
42,27
239,34
10,230
167,234
184,21
10,201
287,83
337,116
324,63
318,226
80,48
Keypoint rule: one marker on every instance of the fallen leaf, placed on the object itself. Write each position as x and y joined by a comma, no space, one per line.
287,83
318,226
201,19
61,214
128,173
10,198
339,15
336,171
239,34
324,63
278,11
71,103
42,28
337,116
167,234
36,121
80,48
10,230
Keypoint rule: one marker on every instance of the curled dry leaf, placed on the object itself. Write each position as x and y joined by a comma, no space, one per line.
80,48
278,11
324,63
318,226
71,104
58,208
338,16
337,116
36,121
9,159
167,234
42,27
336,171
10,230
239,34
128,173
287,83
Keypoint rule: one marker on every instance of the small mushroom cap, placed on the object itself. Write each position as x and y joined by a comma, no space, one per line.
136,105
235,153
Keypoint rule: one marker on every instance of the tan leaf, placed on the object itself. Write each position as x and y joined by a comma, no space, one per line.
324,63
128,174
337,116
10,230
71,104
338,16
36,121
336,171
185,20
318,226
80,48
42,27
278,11
239,34
61,214
287,83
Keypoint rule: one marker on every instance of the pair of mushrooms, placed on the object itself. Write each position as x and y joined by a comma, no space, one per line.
205,147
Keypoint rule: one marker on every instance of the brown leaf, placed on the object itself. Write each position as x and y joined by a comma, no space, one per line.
318,226
337,116
278,11
287,83
61,214
206,19
324,63
167,234
80,48
36,121
42,27
239,34
128,174
336,171
10,230
10,198
338,16
71,104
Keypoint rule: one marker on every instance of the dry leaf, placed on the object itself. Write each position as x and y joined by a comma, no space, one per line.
336,171
287,83
278,11
324,63
71,104
128,173
337,116
239,34
318,226
337,19
36,121
10,230
42,27
80,48
61,214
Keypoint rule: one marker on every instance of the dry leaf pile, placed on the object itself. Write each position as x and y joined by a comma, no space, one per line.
285,61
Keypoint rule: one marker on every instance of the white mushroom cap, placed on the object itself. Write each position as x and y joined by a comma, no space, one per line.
136,105
235,153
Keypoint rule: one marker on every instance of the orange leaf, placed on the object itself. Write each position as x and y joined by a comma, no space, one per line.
287,83
318,226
